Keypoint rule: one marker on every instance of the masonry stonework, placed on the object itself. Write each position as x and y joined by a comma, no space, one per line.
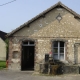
44,30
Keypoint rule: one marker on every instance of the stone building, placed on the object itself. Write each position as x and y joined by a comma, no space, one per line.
55,31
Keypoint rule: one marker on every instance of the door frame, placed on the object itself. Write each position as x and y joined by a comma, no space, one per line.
27,45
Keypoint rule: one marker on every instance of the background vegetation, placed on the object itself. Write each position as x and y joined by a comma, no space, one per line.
2,64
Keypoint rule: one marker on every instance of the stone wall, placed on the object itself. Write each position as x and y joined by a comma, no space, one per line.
14,55
44,30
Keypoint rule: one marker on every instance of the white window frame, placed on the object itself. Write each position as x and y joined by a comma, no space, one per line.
59,50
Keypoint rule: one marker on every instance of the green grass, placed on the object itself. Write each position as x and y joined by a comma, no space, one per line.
2,64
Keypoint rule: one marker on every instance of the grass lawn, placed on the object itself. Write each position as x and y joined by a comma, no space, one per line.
2,64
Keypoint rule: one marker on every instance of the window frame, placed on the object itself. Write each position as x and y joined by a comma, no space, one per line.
59,53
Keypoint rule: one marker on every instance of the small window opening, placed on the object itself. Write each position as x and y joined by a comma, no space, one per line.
28,42
15,55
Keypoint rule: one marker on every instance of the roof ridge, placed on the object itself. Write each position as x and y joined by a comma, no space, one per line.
59,2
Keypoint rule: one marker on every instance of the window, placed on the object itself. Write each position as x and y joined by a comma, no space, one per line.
58,50
28,42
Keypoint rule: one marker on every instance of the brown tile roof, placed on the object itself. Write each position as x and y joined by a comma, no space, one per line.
59,4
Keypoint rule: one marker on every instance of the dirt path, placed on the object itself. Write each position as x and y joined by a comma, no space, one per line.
29,75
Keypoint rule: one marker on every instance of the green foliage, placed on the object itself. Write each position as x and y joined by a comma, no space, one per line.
7,42
2,64
7,46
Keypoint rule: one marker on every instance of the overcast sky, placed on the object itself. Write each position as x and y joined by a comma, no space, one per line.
20,11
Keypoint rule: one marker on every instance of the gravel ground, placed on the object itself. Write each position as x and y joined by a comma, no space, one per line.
30,75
